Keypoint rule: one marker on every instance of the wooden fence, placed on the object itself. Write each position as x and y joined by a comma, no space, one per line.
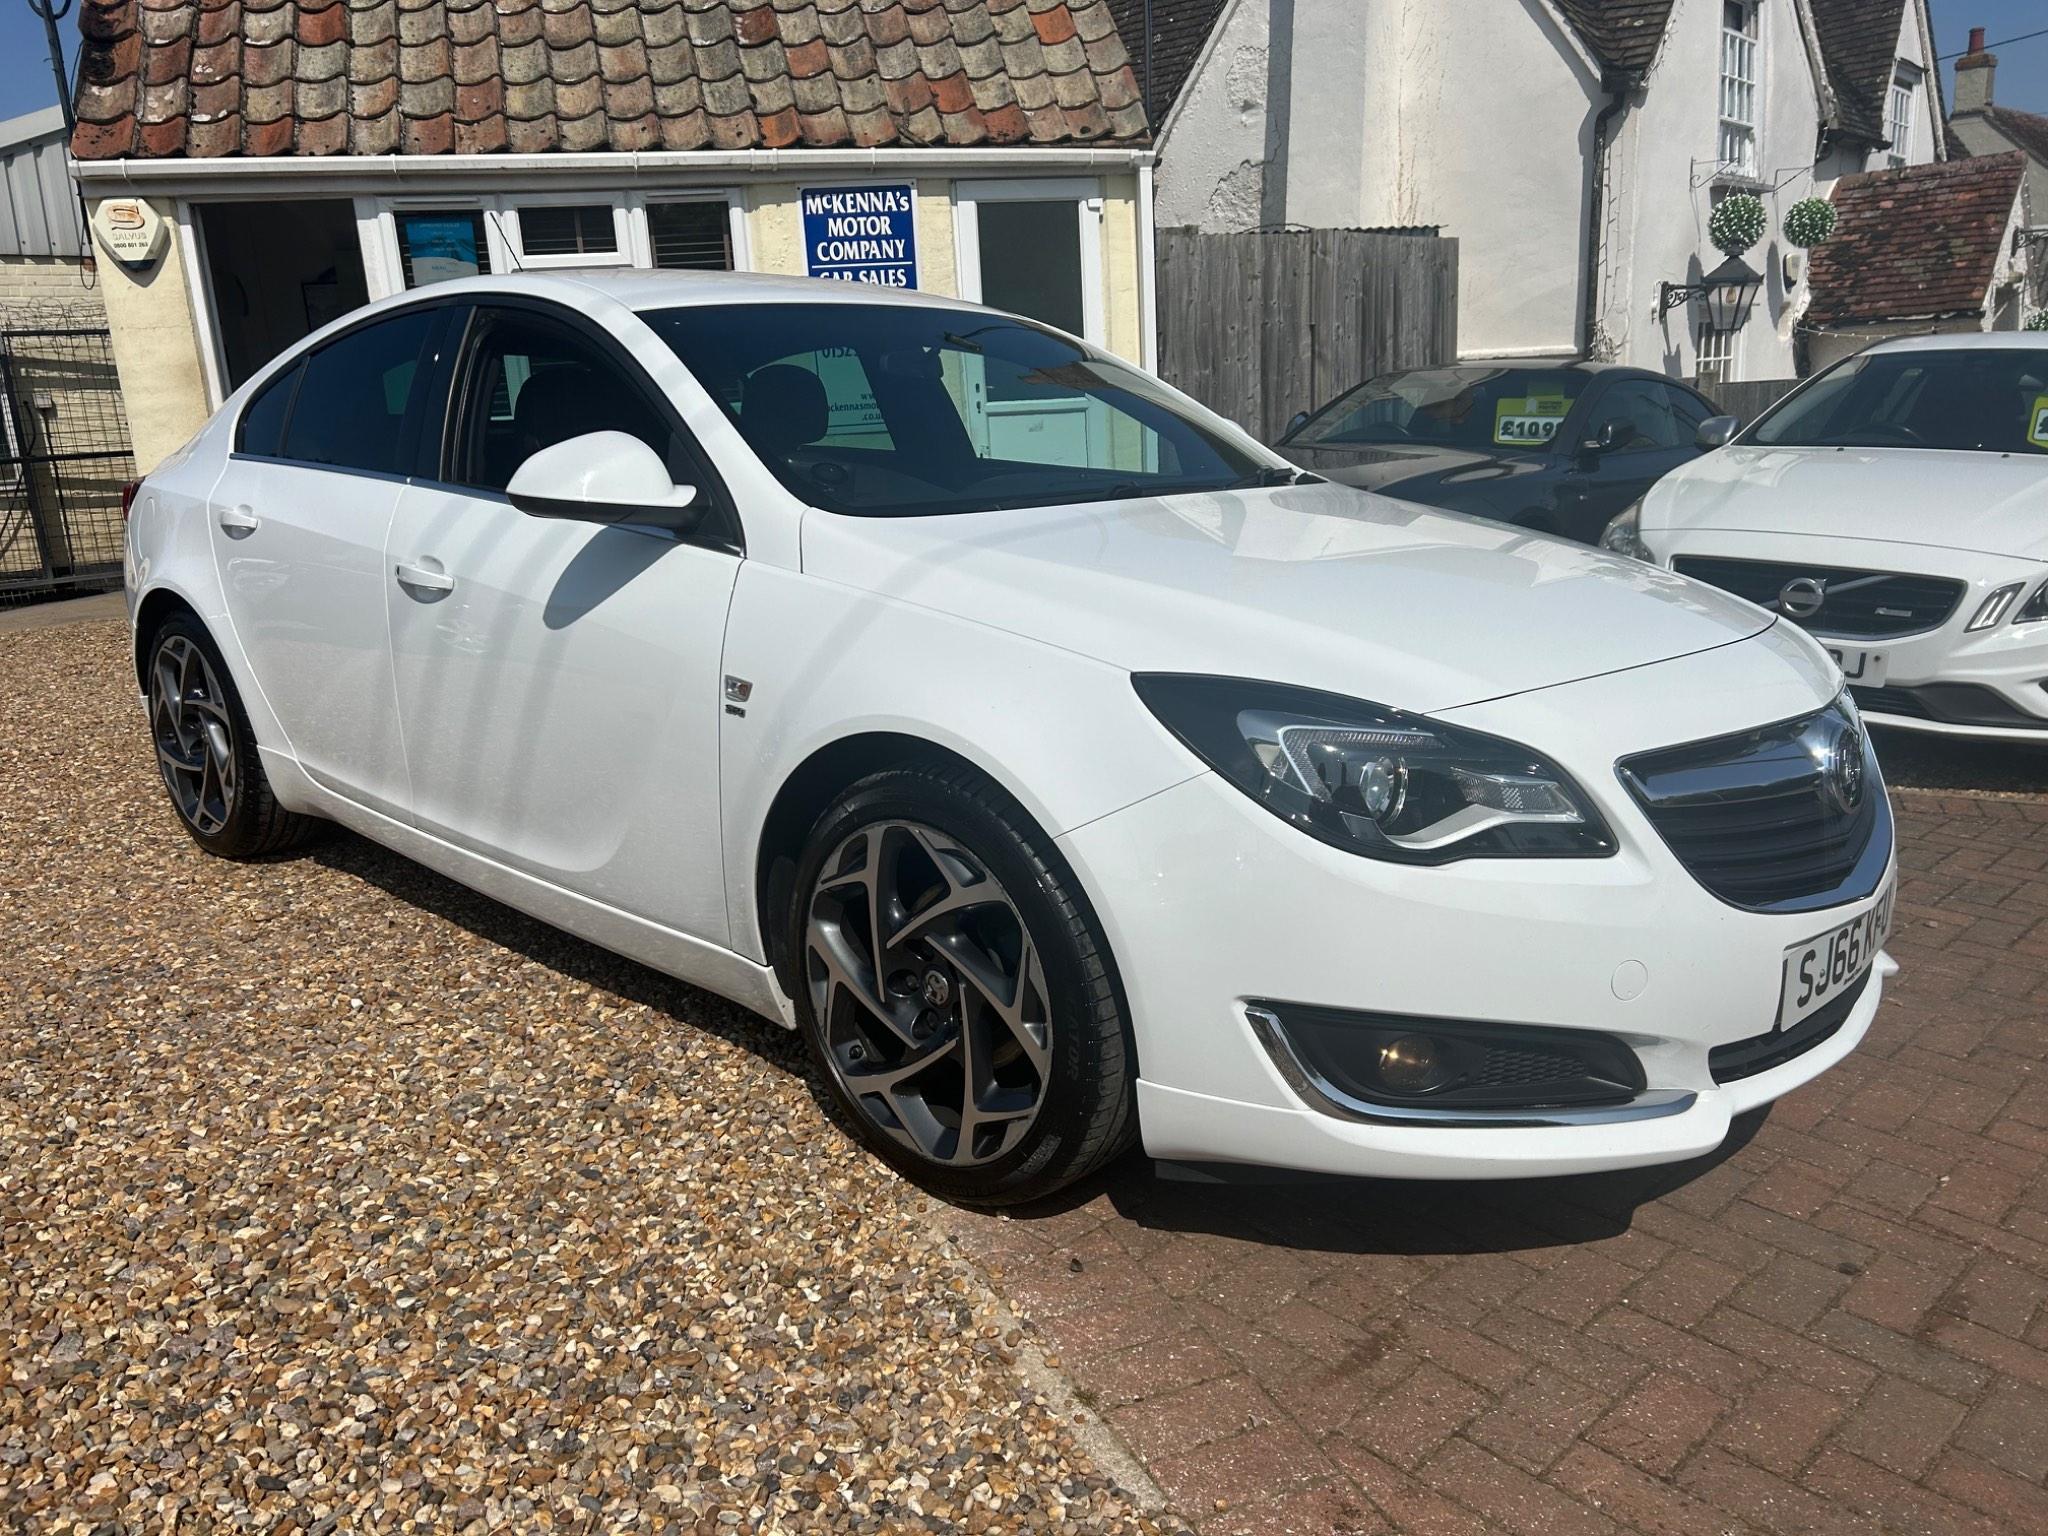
1746,398
1265,323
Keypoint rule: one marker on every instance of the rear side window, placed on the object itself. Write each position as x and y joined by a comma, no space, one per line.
350,410
262,428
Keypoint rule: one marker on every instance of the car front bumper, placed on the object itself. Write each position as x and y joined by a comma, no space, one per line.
1990,683
1212,905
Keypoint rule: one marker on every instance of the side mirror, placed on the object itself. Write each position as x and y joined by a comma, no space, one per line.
1294,424
603,477
1610,436
1717,431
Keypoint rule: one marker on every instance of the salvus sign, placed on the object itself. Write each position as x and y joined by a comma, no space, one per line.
861,234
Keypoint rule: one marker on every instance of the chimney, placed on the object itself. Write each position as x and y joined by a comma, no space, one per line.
1975,71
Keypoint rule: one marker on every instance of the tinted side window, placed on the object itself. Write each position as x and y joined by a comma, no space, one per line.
1689,408
262,427
532,383
351,408
1644,408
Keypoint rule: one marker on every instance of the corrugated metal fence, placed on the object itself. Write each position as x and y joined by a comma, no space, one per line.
1261,324
38,206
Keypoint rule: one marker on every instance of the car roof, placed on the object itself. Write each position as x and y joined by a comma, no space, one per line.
639,289
1952,341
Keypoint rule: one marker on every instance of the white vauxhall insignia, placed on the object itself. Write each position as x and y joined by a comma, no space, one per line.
1067,767
1895,506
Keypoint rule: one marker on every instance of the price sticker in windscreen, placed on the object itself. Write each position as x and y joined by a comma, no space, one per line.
1530,421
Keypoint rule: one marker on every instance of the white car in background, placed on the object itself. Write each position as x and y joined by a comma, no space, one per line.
1068,767
1895,506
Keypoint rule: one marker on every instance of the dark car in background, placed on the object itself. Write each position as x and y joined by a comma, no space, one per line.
1558,447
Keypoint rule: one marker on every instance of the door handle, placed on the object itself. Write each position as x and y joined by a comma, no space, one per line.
238,522
426,581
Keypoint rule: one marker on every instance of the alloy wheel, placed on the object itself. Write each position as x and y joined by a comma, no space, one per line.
195,736
929,993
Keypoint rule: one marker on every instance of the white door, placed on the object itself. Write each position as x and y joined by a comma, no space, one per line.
299,523
559,682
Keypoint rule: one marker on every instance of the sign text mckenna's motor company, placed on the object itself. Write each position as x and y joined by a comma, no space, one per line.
862,234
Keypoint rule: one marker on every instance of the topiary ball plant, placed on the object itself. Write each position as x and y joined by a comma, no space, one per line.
1737,224
2039,322
1809,221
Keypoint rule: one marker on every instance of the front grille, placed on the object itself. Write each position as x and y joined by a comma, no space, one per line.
1776,819
1759,1053
1949,704
1854,605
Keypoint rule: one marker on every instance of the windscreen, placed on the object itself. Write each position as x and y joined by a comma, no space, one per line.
1482,409
1974,399
887,410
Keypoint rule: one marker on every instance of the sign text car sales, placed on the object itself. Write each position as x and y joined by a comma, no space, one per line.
861,234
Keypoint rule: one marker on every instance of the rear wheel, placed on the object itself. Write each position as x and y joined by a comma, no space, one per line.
207,753
956,991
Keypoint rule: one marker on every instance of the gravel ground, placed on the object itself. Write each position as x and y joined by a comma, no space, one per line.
334,1196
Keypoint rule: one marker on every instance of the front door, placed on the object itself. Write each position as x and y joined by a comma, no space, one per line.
559,682
298,523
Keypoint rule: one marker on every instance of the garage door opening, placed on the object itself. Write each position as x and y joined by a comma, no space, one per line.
277,272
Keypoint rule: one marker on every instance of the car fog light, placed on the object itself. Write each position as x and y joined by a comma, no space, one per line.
1413,1064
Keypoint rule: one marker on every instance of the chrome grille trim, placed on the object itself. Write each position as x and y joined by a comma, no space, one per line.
1855,604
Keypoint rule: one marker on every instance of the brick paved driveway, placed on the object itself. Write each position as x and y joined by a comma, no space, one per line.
1836,1326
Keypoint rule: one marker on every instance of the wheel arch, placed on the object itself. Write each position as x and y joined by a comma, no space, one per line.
805,795
156,607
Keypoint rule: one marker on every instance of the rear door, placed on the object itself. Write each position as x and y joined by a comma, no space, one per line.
559,682
299,521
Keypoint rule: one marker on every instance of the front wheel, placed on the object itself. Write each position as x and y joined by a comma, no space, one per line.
956,990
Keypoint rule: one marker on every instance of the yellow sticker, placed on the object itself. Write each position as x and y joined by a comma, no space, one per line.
1530,421
2037,422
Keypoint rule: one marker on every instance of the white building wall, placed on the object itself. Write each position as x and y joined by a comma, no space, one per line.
1212,166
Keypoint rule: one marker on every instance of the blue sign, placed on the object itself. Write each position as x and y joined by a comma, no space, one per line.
862,234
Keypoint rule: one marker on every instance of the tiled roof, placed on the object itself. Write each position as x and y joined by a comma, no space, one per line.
1621,34
1915,243
1859,47
1179,29
2026,131
427,77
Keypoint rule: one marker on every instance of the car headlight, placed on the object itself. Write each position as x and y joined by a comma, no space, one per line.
1377,781
1624,535
2036,609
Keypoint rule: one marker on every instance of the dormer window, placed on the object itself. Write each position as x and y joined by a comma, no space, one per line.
1898,114
1739,47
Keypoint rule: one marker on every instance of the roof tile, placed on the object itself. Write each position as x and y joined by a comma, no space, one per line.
1859,42
324,77
1915,244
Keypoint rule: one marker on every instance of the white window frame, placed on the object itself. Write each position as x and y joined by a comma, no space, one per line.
1898,114
968,196
1716,354
1740,124
637,204
621,254
384,269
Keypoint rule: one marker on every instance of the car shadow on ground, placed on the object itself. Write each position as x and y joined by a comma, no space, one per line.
689,1007
1389,1216
1306,1212
1914,760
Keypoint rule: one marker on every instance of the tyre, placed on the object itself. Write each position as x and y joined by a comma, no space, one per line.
207,753
957,991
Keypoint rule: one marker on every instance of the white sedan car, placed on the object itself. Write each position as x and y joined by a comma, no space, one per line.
1896,506
1065,765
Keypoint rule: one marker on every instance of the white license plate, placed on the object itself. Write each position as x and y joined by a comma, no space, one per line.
1863,668
1828,964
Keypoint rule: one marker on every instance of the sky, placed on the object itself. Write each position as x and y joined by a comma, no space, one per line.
26,82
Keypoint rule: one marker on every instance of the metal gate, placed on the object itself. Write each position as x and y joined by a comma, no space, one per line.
64,456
